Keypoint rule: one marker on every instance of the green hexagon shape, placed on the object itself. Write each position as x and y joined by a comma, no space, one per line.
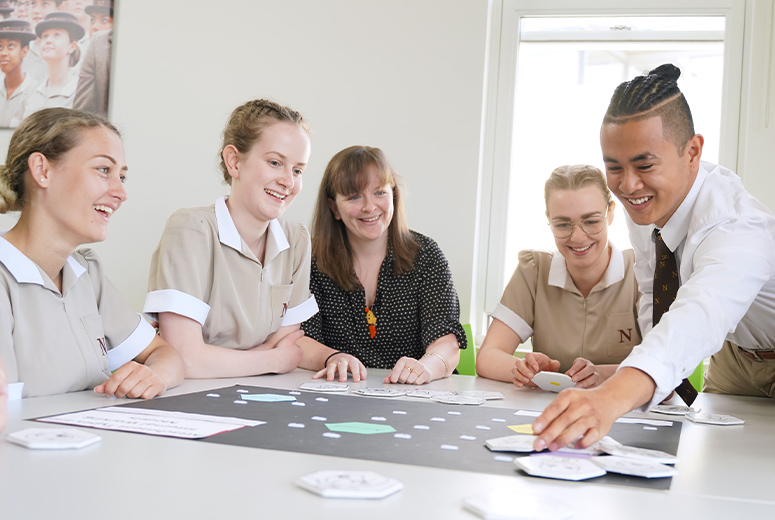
359,427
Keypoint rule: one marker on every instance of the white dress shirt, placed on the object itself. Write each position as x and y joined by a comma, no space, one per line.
724,240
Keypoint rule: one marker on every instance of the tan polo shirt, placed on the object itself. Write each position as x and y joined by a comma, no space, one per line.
542,301
62,342
203,270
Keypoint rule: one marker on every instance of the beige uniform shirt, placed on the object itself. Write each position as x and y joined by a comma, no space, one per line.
62,342
203,270
542,301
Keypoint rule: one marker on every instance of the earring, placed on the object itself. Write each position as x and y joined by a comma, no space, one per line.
42,179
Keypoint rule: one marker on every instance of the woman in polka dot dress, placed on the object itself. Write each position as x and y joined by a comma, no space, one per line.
385,293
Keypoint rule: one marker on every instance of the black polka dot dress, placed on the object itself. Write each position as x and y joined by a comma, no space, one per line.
411,310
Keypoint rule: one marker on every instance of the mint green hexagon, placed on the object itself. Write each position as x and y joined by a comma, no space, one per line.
359,427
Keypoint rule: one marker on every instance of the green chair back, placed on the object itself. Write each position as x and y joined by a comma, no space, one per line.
697,376
467,364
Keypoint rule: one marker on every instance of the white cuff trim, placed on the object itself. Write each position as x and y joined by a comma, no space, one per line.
172,300
512,321
301,312
138,341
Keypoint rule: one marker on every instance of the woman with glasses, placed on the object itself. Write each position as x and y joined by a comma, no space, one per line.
579,303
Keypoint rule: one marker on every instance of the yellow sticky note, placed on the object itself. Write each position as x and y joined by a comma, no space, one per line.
522,428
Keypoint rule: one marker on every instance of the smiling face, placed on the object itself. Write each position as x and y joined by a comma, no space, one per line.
581,251
645,171
56,45
85,188
267,178
366,215
11,54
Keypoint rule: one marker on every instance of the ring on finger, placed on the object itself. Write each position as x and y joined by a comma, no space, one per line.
343,361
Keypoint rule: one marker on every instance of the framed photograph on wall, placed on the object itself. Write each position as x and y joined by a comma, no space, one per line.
54,53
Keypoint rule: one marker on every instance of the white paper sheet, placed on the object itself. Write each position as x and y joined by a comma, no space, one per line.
152,422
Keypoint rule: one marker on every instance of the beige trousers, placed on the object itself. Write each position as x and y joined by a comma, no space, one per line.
731,372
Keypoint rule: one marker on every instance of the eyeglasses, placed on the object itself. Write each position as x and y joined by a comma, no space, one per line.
591,226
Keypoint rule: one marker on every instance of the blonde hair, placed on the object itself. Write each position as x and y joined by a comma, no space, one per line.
574,176
248,121
52,132
347,173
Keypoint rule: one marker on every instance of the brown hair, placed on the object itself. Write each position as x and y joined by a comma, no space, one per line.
654,94
248,121
574,176
347,173
52,132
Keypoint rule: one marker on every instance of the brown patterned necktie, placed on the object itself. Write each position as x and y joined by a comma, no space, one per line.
665,291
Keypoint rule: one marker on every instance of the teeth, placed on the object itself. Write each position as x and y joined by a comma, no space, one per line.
372,219
106,209
638,201
275,194
581,249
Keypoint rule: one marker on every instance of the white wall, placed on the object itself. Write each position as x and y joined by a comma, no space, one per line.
404,75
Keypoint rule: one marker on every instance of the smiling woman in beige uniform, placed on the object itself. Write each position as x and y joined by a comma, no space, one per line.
230,282
63,326
578,304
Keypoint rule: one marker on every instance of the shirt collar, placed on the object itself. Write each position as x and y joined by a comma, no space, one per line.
677,226
25,270
559,277
228,235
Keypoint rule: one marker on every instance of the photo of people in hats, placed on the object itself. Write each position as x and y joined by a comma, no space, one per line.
54,53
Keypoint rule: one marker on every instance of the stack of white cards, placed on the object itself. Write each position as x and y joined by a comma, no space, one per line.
481,394
714,418
425,393
562,468
512,443
458,399
325,387
379,392
349,484
53,438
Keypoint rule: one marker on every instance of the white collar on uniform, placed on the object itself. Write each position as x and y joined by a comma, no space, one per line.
677,226
229,236
25,270
559,277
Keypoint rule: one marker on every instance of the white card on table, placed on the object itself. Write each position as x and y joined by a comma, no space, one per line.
482,394
53,438
514,443
714,418
509,506
636,468
553,381
349,484
562,468
425,393
379,392
325,387
672,409
458,399
631,452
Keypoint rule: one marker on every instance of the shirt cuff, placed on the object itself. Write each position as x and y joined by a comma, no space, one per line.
131,347
172,300
512,321
656,370
301,312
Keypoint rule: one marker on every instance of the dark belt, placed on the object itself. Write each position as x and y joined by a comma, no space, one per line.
757,355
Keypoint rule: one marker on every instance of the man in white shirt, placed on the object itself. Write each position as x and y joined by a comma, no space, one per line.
724,242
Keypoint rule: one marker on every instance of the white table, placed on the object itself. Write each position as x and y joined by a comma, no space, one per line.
725,471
